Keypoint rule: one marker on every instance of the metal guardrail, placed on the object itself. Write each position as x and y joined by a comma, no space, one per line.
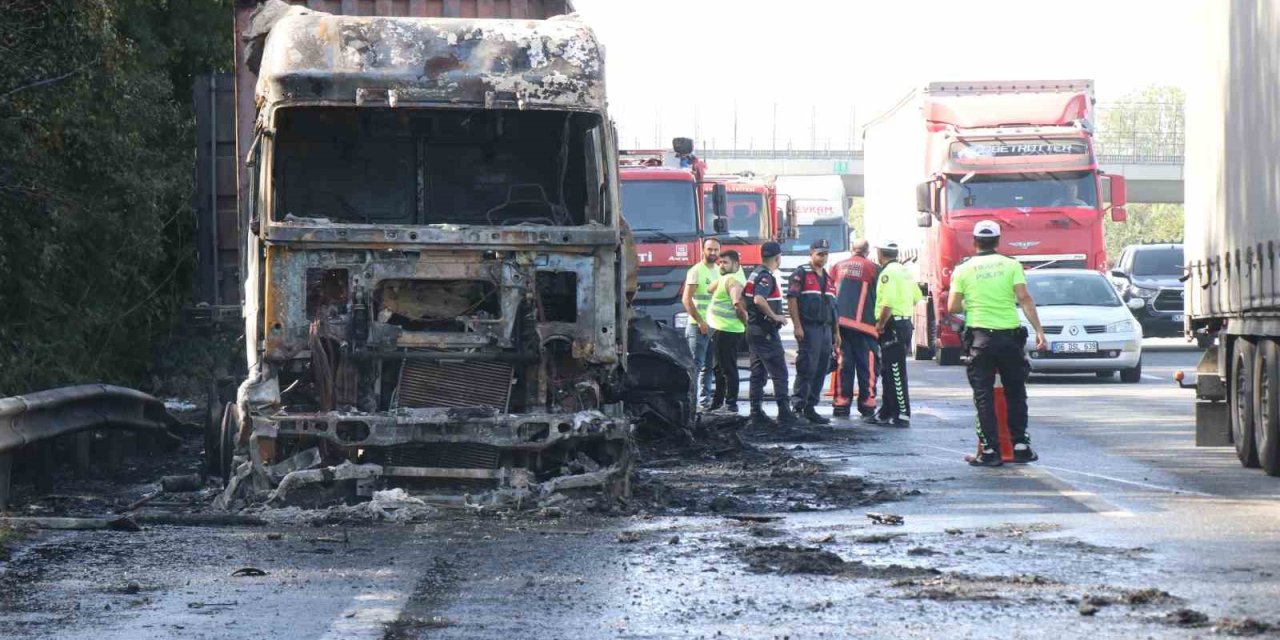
44,415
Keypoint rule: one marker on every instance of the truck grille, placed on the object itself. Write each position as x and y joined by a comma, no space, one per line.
1168,300
445,455
425,384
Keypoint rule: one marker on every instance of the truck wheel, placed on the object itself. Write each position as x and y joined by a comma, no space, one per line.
948,356
923,353
1242,402
1266,423
1132,376
1204,340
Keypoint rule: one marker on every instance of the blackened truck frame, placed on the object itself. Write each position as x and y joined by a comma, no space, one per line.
466,317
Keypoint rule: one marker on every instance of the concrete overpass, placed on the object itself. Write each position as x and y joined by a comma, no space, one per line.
1151,179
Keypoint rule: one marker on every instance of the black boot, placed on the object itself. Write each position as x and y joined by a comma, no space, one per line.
759,418
786,417
840,411
813,417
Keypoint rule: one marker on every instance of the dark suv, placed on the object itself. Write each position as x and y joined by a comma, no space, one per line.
1151,272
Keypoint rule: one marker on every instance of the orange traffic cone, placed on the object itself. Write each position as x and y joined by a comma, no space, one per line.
1002,420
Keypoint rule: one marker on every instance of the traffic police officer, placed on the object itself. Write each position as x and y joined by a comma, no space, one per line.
896,298
763,295
812,292
987,285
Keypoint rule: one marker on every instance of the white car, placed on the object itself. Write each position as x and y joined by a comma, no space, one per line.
1088,328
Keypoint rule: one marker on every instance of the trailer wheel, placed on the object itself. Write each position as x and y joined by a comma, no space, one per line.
1242,401
1266,424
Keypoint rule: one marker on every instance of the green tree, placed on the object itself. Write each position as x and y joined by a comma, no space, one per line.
96,139
1147,124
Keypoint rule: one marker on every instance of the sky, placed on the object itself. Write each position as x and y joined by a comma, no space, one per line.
683,67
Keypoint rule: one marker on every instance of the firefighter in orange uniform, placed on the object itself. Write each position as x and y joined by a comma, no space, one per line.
855,280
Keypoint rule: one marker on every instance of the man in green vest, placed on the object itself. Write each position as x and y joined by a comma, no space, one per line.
696,297
896,298
990,288
727,315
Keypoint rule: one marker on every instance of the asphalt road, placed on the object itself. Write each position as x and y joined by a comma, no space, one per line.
1121,501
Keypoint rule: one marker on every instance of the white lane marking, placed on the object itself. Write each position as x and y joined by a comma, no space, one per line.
368,615
1087,499
1098,476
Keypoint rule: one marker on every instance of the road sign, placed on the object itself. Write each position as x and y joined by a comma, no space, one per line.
840,166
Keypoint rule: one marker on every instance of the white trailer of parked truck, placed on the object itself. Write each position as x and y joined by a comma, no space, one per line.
1233,227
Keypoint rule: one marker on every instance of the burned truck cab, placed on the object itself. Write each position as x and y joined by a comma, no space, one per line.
434,272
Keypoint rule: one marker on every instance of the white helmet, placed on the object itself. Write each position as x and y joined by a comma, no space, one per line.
986,229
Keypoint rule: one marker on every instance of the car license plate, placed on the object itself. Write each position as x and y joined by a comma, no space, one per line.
1075,347
1177,318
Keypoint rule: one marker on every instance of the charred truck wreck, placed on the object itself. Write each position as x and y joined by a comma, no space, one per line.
435,274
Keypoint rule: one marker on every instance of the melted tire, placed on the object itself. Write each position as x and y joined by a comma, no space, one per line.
1242,402
1266,423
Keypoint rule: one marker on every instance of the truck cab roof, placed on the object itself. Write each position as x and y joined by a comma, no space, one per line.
319,58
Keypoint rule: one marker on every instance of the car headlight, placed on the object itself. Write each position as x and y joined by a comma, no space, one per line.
682,320
1142,292
1124,326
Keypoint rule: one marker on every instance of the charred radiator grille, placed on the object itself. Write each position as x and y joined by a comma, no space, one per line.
454,384
444,455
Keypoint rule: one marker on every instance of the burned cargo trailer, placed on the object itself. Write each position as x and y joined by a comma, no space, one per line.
434,280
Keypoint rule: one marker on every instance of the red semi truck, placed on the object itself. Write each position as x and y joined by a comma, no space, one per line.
751,212
661,203
954,153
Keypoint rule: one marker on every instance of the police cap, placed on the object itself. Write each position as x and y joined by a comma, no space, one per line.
770,249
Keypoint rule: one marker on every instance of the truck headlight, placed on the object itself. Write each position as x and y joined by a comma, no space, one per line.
1142,292
1124,326
681,320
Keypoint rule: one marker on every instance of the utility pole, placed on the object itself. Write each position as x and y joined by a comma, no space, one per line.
735,124
774,144
813,127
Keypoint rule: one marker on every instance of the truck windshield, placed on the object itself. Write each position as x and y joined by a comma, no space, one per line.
437,166
747,217
1158,262
1026,189
1071,289
834,232
666,206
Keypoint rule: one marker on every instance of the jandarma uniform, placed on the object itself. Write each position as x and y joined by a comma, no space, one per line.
813,292
768,359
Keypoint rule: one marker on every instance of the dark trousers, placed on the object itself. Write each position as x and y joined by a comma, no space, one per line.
859,362
992,352
812,359
768,361
894,344
725,346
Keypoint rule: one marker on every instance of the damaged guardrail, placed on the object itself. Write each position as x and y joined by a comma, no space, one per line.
44,415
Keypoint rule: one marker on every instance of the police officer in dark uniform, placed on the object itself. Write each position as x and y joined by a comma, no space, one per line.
763,296
811,292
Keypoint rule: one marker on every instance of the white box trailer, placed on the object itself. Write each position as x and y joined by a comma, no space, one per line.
895,162
1232,234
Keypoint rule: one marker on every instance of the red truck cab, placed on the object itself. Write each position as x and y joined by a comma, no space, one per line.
1019,153
661,203
751,210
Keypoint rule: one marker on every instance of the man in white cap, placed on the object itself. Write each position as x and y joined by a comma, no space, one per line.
990,287
896,298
